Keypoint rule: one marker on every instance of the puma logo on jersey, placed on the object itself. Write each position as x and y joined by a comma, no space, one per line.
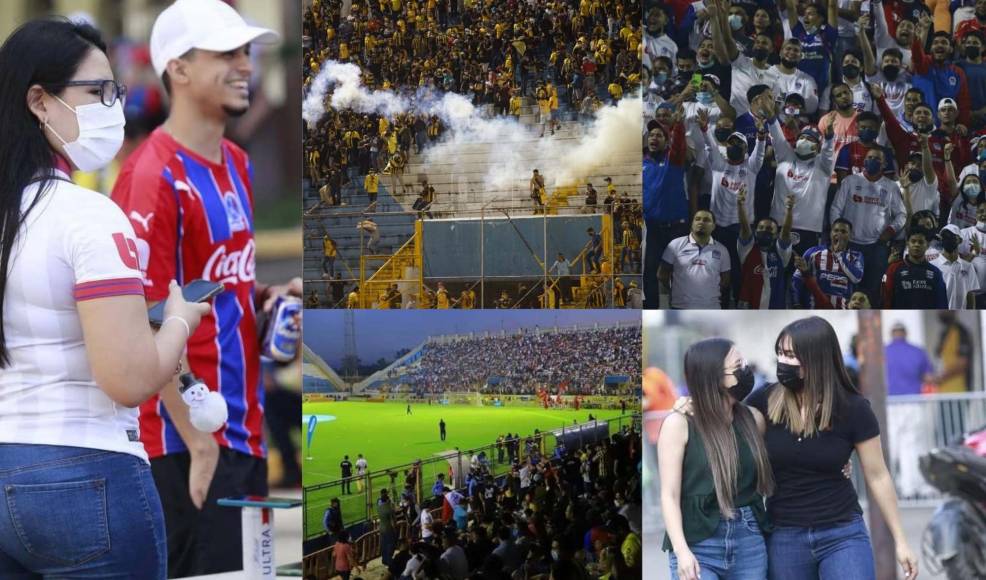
142,220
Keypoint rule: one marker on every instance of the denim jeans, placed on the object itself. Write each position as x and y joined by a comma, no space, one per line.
79,513
840,551
736,551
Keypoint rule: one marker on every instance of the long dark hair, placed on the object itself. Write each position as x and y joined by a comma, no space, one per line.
704,369
45,52
827,382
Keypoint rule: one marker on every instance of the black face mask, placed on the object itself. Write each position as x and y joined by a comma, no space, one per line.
915,175
789,63
890,72
722,134
744,383
788,376
764,239
850,71
950,243
973,51
761,53
734,153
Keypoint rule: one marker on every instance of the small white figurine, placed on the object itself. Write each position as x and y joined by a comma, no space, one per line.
206,409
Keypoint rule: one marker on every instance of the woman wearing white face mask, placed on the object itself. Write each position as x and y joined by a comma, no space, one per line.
76,350
969,196
803,171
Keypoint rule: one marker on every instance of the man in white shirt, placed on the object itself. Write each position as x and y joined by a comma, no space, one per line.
656,42
730,174
791,79
872,202
361,468
525,476
889,71
960,275
746,71
918,181
695,268
902,40
805,172
974,244
426,521
852,76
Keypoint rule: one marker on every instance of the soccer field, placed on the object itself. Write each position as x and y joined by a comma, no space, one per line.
387,436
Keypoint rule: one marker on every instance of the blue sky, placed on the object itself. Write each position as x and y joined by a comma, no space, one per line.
381,333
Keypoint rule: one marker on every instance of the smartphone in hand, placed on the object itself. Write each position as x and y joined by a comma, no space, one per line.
195,291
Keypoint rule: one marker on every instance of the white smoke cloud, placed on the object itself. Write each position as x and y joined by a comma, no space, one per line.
612,135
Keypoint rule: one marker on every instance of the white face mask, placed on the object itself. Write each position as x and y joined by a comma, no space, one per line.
981,226
100,135
804,148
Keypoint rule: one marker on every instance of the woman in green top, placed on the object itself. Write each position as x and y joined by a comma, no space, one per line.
717,457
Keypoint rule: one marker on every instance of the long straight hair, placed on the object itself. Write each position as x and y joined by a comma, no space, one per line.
827,383
704,369
48,53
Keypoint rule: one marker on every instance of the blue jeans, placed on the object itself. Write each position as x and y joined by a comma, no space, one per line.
79,513
841,551
736,551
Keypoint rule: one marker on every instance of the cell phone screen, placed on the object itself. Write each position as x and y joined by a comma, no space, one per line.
195,291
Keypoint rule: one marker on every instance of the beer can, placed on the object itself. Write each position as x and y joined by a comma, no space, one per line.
283,330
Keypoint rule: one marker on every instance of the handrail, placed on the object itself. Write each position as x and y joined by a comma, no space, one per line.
572,210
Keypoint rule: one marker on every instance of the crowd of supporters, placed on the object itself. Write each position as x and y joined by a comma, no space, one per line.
574,515
574,361
494,52
814,154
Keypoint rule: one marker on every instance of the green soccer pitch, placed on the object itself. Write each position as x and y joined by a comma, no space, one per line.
388,437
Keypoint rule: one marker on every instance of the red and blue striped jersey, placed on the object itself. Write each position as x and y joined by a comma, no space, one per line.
194,219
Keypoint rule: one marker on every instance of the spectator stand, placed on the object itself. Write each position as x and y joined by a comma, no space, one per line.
358,509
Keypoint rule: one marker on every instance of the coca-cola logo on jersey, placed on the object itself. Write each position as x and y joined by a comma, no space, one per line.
231,268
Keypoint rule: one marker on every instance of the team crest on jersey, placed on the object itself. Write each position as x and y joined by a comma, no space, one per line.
234,212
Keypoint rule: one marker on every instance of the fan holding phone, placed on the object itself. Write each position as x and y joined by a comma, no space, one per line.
77,355
207,409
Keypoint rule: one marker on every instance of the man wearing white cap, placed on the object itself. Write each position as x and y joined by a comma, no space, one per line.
187,192
948,117
960,275
735,171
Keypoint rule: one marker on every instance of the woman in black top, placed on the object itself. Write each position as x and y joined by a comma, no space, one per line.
816,418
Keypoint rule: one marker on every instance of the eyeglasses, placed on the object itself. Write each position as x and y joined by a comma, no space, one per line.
109,90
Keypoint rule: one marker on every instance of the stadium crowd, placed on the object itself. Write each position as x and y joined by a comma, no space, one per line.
574,361
570,58
495,52
814,154
571,516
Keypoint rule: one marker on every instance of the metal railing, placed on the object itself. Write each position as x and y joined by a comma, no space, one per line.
916,424
326,211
